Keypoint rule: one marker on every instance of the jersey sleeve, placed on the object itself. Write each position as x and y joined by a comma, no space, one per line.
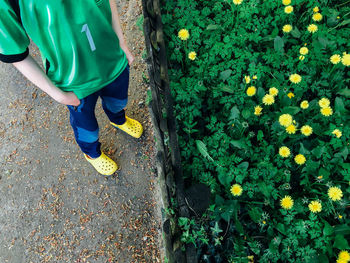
14,41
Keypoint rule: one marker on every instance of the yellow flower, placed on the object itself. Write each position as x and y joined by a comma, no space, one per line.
183,34
306,130
312,28
247,79
295,78
288,9
301,57
300,159
284,151
285,120
341,261
315,206
192,55
286,2
304,50
287,202
257,110
255,77
316,9
236,190
346,60
273,91
337,133
304,104
335,193
287,28
290,95
340,216
251,91
344,255
237,2
327,111
291,129
324,102
268,99
335,59
317,17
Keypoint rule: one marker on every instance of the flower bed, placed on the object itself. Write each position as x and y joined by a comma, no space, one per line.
262,106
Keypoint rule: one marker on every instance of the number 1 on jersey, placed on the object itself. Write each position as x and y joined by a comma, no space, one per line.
89,37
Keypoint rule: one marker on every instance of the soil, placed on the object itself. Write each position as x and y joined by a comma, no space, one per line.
54,206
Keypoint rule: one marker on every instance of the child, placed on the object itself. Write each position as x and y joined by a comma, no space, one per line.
85,56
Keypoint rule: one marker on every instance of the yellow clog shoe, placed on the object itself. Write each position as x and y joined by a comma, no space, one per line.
131,127
103,164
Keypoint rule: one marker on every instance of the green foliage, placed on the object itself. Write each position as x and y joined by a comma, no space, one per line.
223,142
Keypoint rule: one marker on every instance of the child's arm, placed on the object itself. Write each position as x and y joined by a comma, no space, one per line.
32,71
118,30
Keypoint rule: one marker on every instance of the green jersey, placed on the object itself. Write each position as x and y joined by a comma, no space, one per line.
80,49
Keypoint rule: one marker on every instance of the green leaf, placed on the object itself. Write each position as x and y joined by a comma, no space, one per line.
225,74
239,144
340,242
246,113
255,214
234,113
278,44
342,229
328,229
212,27
296,33
260,93
263,189
228,89
202,148
291,110
243,165
219,200
260,135
344,92
344,153
339,105
323,259
318,151
303,150
280,228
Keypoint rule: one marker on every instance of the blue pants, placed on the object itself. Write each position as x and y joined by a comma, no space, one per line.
83,120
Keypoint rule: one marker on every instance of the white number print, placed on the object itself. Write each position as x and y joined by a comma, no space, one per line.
89,37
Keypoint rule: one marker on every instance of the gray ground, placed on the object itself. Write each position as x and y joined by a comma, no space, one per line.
54,207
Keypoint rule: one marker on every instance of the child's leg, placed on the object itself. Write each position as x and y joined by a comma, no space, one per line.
115,97
85,126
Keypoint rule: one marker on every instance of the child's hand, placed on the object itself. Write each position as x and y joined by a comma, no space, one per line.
69,98
130,57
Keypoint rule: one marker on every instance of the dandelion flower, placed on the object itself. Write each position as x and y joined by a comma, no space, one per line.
291,129
315,206
304,104
192,55
344,255
236,190
306,130
290,95
247,79
237,2
327,111
295,78
257,110
304,50
316,9
255,77
288,9
337,133
286,2
284,151
183,34
287,202
335,59
287,28
317,17
346,60
324,102
335,193
301,57
300,159
285,120
273,91
251,91
312,28
268,99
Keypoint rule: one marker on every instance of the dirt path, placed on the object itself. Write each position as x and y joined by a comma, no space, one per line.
54,207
